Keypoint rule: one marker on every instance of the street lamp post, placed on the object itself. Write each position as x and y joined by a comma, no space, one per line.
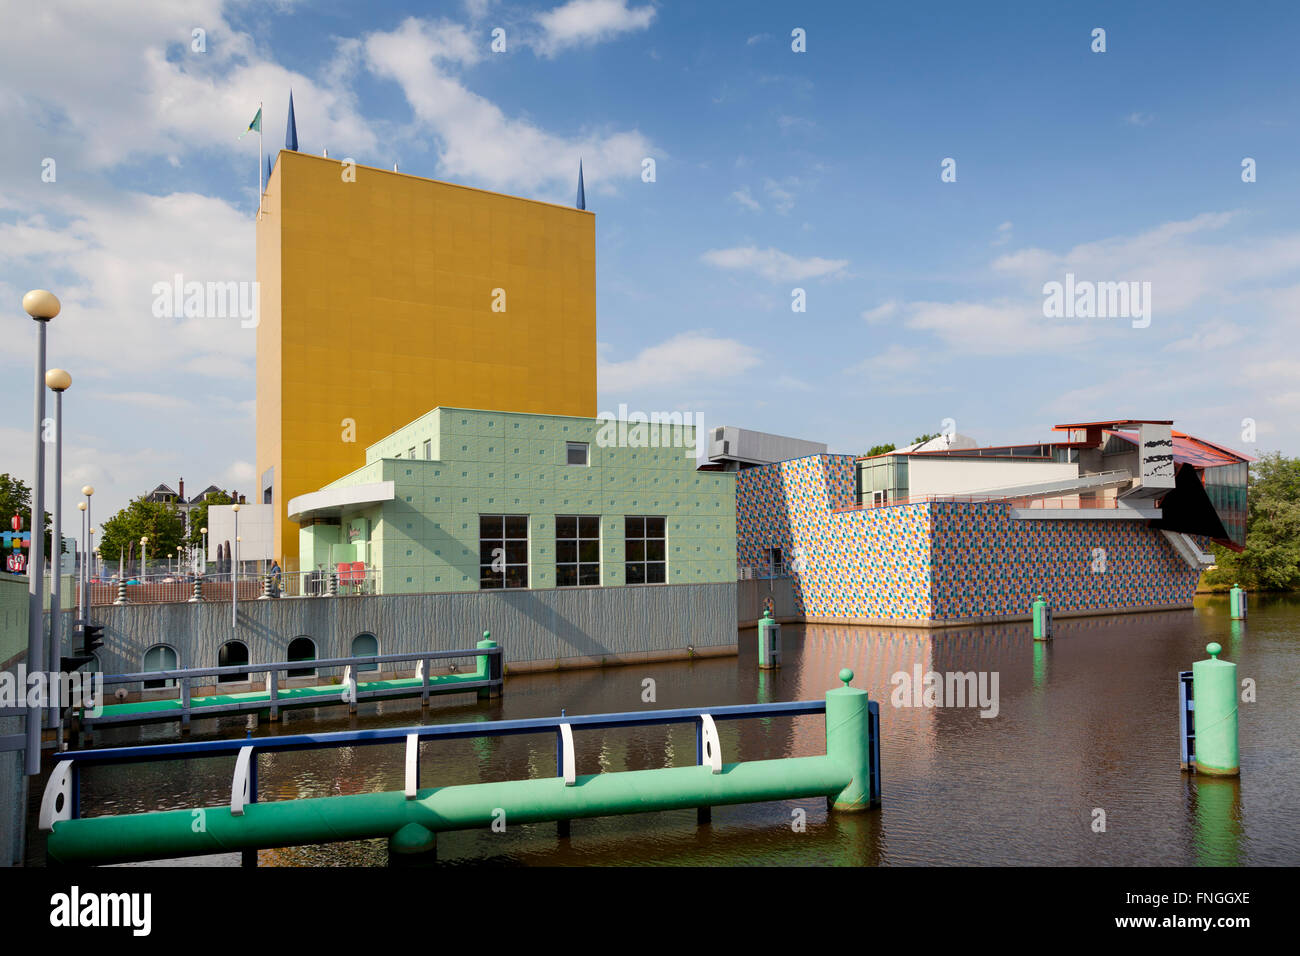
234,573
86,490
81,506
42,306
203,558
58,381
144,549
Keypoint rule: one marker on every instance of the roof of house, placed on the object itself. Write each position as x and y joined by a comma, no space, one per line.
1194,451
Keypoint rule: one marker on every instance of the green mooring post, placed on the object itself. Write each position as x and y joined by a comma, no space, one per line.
848,743
769,642
1042,612
1237,603
1214,693
483,666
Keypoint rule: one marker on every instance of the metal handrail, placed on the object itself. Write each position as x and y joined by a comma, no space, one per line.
392,735
313,663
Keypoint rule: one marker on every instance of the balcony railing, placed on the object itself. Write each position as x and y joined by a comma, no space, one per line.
161,587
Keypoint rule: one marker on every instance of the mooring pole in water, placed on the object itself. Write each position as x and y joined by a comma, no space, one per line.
1042,613
1214,696
848,743
769,642
487,667
1237,603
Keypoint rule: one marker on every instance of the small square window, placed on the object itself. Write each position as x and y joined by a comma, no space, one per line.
577,452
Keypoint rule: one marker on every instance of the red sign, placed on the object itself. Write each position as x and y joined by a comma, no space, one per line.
16,522
16,562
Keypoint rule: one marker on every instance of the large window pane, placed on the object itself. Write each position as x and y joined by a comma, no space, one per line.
503,551
645,549
577,550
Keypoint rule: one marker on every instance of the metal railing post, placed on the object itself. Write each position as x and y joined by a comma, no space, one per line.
185,705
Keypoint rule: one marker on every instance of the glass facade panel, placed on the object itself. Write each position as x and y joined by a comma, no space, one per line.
577,550
646,549
1225,485
503,551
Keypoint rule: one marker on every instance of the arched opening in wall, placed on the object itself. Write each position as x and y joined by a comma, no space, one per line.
302,648
232,654
160,657
366,644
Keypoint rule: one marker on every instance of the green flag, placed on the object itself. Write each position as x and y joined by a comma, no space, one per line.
255,125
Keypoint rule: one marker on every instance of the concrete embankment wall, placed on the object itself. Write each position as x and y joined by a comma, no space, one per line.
537,629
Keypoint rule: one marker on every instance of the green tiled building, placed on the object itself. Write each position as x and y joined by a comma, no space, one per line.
463,500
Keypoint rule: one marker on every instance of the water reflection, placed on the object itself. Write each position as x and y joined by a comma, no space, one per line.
1087,720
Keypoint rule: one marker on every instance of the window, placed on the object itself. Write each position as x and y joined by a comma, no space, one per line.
410,453
776,560
232,654
577,550
577,452
428,449
646,549
503,551
302,649
160,657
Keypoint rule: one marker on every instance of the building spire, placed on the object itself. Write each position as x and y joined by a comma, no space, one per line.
291,128
582,195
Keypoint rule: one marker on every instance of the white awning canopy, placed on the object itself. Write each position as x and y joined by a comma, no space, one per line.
331,502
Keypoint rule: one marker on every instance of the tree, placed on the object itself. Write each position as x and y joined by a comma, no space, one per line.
917,441
1271,559
161,521
199,516
16,499
880,449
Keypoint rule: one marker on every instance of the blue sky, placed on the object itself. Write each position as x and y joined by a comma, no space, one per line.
775,170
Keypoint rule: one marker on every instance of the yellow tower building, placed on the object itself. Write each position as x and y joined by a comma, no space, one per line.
384,295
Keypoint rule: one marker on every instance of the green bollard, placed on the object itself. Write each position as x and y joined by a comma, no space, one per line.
1214,693
848,742
1237,603
1042,613
769,642
483,665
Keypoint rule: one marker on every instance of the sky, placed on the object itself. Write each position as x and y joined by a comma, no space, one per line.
921,171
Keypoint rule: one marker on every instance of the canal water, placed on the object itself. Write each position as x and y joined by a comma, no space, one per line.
1085,723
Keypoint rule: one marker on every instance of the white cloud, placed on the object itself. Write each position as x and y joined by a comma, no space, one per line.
782,199
892,361
112,252
881,312
684,359
743,197
581,22
128,85
480,144
773,263
1208,338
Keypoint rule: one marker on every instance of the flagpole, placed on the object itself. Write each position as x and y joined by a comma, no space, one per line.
260,187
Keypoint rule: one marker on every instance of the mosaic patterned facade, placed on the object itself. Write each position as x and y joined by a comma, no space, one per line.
937,561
